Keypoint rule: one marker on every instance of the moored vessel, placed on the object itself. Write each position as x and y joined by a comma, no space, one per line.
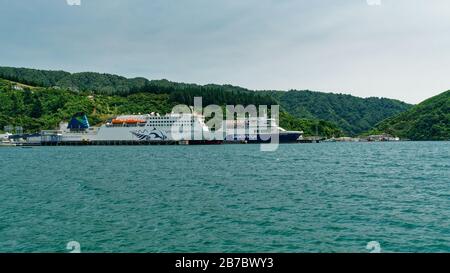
169,129
259,130
173,128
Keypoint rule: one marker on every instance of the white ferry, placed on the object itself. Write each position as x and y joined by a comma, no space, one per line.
130,129
259,130
160,129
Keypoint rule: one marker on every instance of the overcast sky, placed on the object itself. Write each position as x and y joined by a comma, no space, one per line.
399,49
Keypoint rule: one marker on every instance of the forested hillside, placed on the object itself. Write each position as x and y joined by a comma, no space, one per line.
107,84
429,120
351,114
40,108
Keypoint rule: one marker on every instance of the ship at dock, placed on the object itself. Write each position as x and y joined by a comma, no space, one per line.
156,129
258,130
130,130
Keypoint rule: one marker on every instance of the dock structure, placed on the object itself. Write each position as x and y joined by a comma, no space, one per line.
126,143
155,129
308,141
106,143
56,138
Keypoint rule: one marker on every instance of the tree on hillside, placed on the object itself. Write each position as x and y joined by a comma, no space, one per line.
36,110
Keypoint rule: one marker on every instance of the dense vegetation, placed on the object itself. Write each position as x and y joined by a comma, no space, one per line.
311,127
352,114
107,84
429,120
43,108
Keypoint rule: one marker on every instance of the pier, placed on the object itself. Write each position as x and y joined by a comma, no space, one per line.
128,143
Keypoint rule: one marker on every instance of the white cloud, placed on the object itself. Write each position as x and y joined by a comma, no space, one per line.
399,49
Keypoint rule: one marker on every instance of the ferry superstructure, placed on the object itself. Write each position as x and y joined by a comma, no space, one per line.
259,130
172,128
132,128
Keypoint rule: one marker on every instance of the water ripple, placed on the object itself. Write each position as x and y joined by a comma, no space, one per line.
302,198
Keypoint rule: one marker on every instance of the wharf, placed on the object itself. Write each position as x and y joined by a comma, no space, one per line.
127,143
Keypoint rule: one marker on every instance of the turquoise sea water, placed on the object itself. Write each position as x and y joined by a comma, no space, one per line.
329,197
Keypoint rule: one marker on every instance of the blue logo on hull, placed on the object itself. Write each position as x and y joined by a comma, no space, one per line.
146,135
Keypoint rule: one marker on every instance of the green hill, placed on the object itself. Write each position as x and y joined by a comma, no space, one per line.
351,114
43,108
429,120
40,108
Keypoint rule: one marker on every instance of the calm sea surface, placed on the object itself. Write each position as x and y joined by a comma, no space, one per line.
332,197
